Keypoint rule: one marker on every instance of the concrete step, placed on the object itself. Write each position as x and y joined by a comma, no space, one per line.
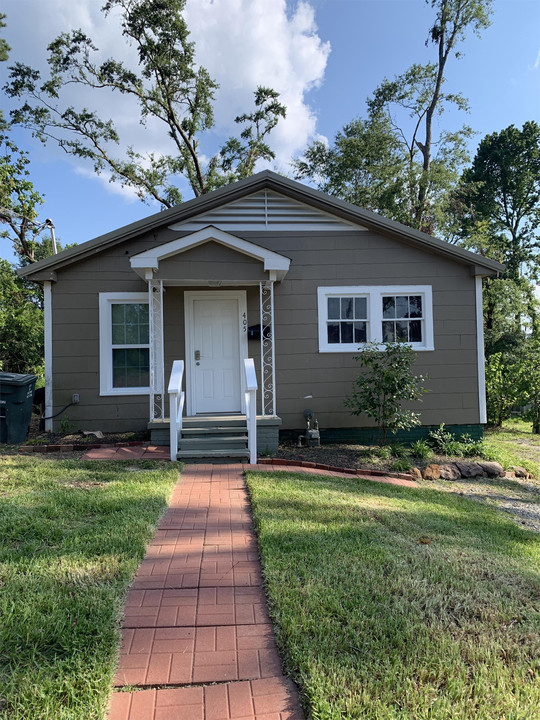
214,443
213,454
218,430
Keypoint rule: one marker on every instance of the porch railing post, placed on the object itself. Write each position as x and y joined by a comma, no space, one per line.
268,357
157,382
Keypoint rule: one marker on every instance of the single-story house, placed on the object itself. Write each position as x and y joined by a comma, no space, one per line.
267,269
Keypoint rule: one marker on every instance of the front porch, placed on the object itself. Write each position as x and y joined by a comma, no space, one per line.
217,436
203,292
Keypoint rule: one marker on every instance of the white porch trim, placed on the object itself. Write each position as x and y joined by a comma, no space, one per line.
47,313
480,350
147,262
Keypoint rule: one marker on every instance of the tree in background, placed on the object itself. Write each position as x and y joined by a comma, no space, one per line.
414,168
168,87
21,326
498,200
386,383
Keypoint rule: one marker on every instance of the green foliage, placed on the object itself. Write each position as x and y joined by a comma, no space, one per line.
21,326
168,87
505,384
18,201
401,465
421,450
531,371
499,200
385,385
446,443
395,161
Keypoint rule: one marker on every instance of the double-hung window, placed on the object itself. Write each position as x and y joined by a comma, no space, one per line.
124,344
352,316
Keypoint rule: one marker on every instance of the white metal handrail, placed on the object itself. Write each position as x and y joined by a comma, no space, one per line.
251,408
176,405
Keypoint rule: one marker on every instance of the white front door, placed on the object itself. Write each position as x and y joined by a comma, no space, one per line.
216,341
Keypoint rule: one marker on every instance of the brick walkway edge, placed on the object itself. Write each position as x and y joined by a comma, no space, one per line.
197,642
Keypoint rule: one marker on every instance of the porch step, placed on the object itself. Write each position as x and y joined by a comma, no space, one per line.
211,442
213,454
214,438
199,431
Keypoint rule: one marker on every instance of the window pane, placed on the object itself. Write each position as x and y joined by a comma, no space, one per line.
360,332
402,331
388,331
118,314
360,308
333,333
346,308
415,306
346,332
131,368
144,334
130,324
118,334
132,335
333,308
402,306
389,309
415,331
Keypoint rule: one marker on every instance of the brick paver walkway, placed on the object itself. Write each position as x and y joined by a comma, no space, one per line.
197,640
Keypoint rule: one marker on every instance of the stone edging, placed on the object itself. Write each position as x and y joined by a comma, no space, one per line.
333,468
79,446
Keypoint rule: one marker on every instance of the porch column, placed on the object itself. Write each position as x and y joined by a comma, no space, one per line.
268,370
157,383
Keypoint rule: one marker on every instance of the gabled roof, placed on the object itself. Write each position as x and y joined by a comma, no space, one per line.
265,180
145,263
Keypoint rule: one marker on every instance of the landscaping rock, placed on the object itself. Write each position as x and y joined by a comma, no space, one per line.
520,471
469,469
432,472
450,472
416,473
493,469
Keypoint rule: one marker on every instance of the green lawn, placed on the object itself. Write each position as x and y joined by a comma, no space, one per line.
72,535
392,603
515,444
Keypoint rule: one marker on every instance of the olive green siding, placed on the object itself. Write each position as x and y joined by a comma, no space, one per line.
317,259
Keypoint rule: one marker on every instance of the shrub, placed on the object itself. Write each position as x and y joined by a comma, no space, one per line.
401,465
420,449
386,383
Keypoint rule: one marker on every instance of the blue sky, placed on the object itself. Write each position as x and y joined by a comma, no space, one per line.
324,56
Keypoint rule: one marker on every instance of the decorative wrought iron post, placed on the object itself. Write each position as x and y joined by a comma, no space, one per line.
157,389
268,371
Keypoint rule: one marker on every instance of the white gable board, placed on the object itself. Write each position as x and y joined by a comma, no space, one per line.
266,210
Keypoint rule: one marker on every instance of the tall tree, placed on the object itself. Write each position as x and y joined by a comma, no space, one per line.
424,165
498,201
168,86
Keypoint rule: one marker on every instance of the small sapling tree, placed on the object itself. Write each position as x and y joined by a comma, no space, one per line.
386,383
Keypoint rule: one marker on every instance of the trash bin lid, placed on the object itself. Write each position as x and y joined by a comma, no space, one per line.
7,378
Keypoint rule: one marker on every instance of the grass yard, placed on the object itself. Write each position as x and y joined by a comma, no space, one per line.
72,535
514,444
391,603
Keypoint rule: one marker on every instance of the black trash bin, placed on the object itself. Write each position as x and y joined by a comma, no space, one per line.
16,396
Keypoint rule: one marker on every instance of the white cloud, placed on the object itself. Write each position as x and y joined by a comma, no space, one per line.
243,43
537,61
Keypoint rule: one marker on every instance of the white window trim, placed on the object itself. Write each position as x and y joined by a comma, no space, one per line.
105,342
374,293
